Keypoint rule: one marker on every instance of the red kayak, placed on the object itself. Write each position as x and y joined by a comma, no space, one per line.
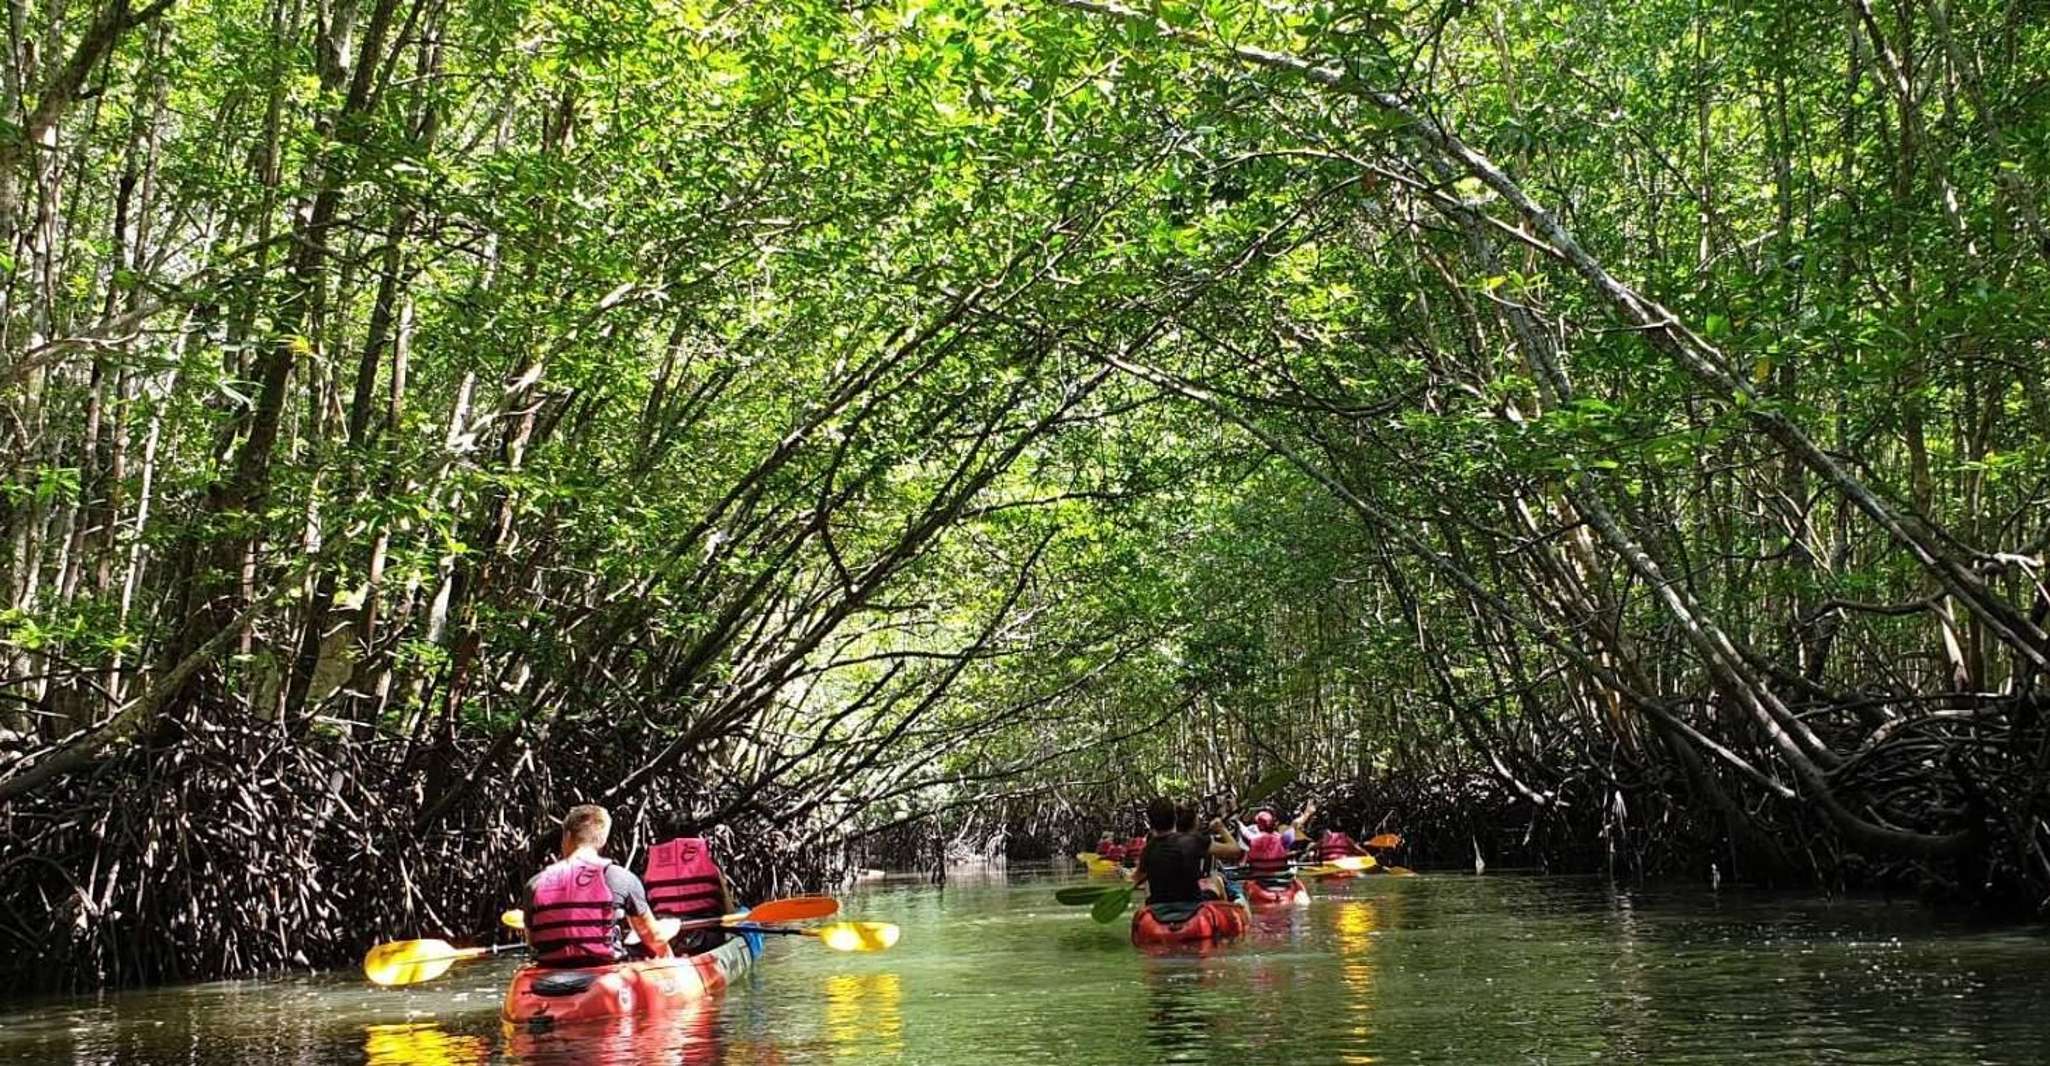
1294,894
1183,924
542,998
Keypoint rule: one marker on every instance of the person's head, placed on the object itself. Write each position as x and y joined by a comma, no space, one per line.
587,825
1160,815
1185,818
1264,821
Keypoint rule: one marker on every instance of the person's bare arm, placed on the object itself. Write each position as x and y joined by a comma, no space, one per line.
1222,845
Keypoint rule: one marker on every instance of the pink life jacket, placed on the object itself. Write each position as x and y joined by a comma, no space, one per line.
1267,856
682,880
1335,845
574,921
1110,849
1133,849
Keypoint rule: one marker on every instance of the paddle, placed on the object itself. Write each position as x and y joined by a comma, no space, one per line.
1386,840
792,909
1268,786
1350,864
1112,904
668,927
1088,857
840,936
1081,894
409,962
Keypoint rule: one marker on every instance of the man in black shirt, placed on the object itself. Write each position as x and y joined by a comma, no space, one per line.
1173,865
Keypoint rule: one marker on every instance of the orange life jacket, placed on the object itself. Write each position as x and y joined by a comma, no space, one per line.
682,880
574,921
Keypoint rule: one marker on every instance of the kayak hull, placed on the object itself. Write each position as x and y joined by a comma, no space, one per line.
1295,894
1214,920
542,998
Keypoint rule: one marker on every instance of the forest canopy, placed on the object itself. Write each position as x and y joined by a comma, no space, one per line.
1614,434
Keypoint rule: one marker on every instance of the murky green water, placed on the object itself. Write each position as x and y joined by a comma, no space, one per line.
1433,969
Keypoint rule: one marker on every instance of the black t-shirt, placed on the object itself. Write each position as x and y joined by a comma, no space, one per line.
1174,867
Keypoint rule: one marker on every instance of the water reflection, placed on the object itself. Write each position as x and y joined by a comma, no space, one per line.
423,1044
686,1036
864,1013
1430,971
1353,924
1180,1010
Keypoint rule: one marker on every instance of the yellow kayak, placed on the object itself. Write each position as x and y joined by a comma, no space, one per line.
1097,864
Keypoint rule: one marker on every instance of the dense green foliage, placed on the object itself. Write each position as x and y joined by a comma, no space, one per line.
807,420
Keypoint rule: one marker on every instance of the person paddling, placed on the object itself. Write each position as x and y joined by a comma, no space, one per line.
576,904
1173,864
1335,844
684,882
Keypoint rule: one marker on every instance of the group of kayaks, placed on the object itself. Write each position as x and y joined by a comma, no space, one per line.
1212,919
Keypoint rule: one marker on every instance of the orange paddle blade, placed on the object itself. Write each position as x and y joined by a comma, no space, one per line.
794,909
1386,840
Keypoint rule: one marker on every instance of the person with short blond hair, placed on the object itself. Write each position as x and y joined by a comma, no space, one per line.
576,905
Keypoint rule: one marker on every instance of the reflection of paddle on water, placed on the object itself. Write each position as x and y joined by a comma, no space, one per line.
865,1010
421,1044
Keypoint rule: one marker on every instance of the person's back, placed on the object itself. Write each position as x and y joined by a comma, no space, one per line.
1266,850
1171,864
684,882
1336,844
574,906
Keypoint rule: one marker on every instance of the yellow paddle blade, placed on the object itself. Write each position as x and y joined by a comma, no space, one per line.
1088,858
1386,840
1399,871
858,936
409,962
1355,863
513,919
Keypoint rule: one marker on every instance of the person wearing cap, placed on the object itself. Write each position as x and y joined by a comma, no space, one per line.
1267,849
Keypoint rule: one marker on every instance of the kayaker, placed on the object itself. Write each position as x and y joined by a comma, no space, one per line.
1173,864
1335,844
1110,849
575,905
1267,857
684,882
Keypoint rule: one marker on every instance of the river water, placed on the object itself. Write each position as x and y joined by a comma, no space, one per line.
1440,968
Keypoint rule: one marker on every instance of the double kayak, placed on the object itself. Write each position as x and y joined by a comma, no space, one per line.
1293,894
1182,923
542,997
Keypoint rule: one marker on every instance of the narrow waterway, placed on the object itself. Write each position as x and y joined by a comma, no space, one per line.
1443,968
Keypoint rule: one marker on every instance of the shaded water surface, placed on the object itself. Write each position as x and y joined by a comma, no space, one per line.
1433,969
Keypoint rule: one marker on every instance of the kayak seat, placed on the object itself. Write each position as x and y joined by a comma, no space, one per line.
562,984
1175,913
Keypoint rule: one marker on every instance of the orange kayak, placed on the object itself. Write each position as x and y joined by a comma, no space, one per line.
1207,921
1294,894
541,999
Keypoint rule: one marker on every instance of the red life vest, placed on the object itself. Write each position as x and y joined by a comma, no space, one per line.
1107,849
1267,856
682,880
1335,845
574,921
1135,848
